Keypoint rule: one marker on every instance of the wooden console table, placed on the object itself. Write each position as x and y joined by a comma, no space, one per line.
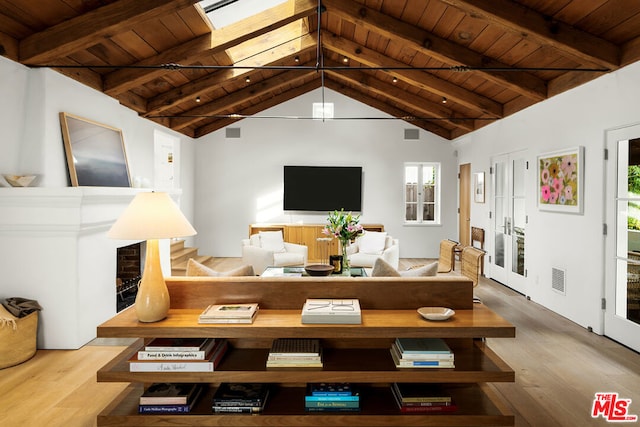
352,353
307,234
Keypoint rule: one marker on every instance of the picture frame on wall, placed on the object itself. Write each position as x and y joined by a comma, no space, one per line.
95,153
560,183
478,187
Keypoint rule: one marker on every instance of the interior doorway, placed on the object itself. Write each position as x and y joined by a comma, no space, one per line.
509,219
464,216
622,243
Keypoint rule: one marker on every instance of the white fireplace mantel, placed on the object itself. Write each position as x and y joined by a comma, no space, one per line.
55,250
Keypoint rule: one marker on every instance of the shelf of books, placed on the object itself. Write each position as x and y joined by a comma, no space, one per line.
393,368
285,406
474,362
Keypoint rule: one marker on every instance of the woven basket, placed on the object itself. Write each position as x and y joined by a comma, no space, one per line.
17,337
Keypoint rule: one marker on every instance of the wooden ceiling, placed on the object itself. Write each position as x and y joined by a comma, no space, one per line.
487,58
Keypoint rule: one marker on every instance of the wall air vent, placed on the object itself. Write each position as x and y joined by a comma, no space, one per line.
411,134
232,132
558,282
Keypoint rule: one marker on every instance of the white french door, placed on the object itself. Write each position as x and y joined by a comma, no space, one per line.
508,220
622,242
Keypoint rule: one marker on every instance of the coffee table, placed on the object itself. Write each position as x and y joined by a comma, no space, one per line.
272,271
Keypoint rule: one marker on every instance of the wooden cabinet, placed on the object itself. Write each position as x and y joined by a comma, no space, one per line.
308,235
352,353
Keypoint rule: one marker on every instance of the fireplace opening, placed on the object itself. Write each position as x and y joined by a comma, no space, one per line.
128,274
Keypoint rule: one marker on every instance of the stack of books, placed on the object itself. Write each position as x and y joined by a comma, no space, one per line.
169,398
417,397
179,355
332,311
295,353
422,353
229,313
246,398
336,397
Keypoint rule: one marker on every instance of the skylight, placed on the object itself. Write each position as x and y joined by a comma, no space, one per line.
226,12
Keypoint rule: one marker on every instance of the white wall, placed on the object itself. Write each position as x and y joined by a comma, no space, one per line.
239,181
50,255
573,242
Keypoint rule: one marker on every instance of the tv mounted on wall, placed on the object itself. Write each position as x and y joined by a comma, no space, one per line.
322,188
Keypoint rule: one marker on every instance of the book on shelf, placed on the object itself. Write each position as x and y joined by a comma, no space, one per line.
420,393
229,313
331,311
332,403
178,354
208,365
422,356
240,397
331,389
409,346
297,347
353,398
169,393
173,408
422,407
422,363
177,344
295,353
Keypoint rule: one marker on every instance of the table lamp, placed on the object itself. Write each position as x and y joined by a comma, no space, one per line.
150,217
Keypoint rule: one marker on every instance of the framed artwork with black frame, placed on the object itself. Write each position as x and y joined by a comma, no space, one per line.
95,153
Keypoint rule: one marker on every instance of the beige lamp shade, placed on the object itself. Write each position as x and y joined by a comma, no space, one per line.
151,216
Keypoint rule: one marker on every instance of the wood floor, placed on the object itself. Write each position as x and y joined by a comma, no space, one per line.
559,367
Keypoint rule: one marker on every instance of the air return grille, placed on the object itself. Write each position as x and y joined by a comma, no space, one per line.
232,132
411,134
558,280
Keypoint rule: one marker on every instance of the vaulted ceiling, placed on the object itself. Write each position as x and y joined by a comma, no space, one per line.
446,66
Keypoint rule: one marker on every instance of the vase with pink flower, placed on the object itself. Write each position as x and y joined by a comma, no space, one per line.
345,227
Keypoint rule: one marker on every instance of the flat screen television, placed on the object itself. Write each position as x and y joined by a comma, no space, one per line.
322,188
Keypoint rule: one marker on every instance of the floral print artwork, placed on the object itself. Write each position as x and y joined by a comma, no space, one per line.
559,179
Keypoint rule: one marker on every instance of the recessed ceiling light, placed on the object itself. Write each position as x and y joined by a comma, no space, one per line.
345,59
395,80
248,80
444,100
197,99
296,59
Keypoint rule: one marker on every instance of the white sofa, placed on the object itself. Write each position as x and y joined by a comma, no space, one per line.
372,245
267,248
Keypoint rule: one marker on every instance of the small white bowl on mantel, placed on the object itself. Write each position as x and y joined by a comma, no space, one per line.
20,180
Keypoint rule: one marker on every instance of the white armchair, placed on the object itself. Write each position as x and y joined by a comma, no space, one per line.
372,245
267,248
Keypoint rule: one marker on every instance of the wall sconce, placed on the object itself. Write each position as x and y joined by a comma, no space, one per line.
150,217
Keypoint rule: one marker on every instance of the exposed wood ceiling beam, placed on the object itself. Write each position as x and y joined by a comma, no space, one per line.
417,78
413,37
205,84
537,27
394,94
92,27
261,106
385,108
236,98
206,46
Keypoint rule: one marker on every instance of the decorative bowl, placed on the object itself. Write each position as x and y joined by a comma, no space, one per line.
436,313
20,180
319,269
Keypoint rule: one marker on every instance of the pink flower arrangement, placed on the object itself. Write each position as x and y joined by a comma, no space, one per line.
343,225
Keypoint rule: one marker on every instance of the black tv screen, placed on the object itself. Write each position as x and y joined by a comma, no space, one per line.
322,188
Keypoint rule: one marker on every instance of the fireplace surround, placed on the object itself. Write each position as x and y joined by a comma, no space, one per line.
55,250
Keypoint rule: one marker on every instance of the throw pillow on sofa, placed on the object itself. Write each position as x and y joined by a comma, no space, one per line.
272,241
381,268
372,242
195,269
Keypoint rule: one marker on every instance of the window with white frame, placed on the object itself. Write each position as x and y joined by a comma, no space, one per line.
422,193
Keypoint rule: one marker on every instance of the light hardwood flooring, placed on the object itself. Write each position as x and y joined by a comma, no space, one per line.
559,367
